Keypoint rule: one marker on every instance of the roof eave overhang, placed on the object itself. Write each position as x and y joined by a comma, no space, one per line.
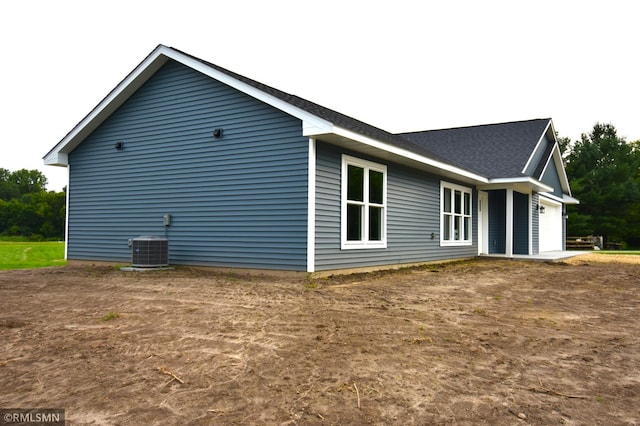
523,183
566,199
361,143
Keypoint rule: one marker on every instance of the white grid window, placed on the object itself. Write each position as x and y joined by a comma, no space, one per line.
455,213
364,204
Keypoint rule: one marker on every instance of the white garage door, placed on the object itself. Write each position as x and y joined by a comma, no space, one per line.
550,227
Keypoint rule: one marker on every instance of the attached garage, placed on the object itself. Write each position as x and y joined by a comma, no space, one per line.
550,225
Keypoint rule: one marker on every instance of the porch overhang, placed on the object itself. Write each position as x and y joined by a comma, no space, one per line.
523,184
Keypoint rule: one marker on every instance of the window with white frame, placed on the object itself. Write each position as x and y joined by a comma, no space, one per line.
364,204
455,214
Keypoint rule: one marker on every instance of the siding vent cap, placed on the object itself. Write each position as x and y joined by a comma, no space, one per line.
119,146
217,133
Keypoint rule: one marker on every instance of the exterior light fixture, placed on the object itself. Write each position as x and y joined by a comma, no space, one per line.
217,133
119,146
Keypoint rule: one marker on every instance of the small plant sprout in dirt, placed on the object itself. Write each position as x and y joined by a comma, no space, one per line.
110,316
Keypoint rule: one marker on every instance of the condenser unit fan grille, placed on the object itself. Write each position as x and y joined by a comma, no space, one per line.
149,252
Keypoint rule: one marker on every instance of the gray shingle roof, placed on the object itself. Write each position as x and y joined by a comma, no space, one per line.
492,150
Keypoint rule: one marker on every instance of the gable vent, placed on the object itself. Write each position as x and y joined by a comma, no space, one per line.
149,251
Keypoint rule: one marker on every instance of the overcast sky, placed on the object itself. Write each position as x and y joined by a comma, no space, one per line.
398,65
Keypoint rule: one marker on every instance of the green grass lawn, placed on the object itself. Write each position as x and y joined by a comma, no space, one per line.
25,255
631,252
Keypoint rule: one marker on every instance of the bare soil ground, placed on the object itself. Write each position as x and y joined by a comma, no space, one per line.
478,342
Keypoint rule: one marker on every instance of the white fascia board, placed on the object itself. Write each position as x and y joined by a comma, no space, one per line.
524,169
407,154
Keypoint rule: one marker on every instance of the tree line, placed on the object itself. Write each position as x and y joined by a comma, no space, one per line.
602,167
604,174
27,209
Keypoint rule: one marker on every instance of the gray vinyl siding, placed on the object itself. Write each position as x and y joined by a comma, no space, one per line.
413,214
551,178
520,223
539,155
535,224
237,201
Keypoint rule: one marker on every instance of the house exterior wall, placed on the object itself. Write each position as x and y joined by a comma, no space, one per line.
551,178
535,224
413,214
238,201
540,154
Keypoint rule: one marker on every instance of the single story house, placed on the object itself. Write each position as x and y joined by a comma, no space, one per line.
234,173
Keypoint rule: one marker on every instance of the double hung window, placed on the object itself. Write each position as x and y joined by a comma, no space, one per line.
455,214
364,204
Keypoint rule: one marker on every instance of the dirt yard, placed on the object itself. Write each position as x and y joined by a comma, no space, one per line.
478,342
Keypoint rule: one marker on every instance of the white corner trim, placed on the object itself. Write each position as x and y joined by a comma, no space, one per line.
311,207
508,247
530,224
66,216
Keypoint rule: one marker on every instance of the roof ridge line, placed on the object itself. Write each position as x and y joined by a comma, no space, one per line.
473,125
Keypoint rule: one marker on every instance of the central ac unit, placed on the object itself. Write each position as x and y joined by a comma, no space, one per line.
149,251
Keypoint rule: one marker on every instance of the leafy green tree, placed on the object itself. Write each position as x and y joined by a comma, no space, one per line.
27,209
29,181
634,213
8,188
603,170
564,144
21,182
